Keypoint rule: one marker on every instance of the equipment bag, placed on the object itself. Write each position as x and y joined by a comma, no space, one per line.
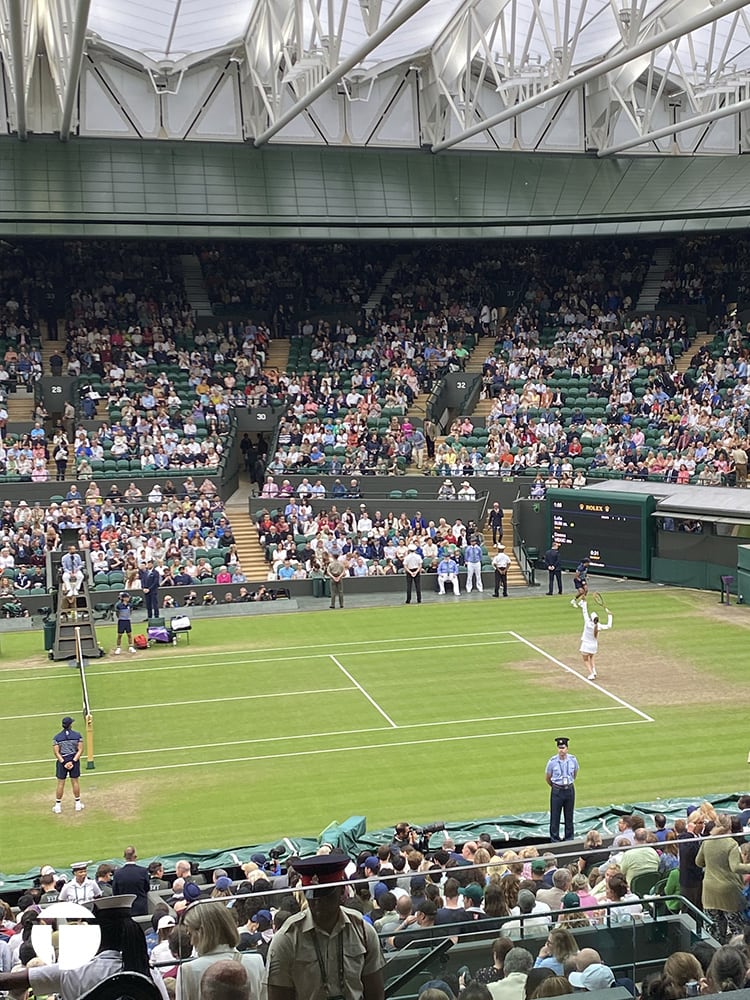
158,633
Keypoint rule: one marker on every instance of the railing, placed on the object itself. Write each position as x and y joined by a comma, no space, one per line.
654,911
525,557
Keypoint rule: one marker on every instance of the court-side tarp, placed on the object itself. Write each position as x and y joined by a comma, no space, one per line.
352,835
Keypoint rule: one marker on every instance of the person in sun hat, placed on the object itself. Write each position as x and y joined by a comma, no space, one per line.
327,950
560,774
447,491
67,747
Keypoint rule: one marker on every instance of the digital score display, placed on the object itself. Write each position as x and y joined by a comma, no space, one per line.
612,529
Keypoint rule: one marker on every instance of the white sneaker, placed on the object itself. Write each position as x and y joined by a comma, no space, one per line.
131,649
79,806
57,808
592,676
117,650
573,602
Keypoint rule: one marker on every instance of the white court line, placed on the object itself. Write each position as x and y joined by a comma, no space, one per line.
416,649
314,736
177,704
332,750
36,677
570,670
337,645
372,701
161,668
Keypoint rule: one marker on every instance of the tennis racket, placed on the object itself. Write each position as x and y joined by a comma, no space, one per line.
598,599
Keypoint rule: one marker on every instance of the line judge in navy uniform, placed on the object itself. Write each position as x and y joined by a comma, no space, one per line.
561,773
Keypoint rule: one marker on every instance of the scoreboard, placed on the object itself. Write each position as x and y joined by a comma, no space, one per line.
613,530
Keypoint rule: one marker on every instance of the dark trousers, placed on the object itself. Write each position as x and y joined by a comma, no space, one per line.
152,603
416,582
555,574
337,590
497,533
501,580
562,800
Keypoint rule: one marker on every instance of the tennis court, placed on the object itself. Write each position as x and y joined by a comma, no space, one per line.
265,729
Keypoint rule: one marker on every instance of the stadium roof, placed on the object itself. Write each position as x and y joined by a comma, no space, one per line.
653,76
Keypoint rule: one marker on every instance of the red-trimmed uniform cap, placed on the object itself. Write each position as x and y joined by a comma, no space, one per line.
320,869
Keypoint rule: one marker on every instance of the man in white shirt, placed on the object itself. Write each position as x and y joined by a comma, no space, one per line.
413,568
500,564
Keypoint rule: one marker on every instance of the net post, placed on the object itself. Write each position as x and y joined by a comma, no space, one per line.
86,704
90,765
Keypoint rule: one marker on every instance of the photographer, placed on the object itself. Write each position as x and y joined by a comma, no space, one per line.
406,836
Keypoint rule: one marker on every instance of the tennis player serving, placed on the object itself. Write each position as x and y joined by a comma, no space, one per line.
590,638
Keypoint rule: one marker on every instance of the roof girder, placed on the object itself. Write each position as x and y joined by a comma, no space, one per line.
399,17
645,44
18,43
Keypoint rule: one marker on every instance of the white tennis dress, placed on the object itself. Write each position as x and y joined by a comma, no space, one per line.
589,643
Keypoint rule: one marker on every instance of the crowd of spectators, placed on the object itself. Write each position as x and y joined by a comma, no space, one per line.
577,388
182,527
165,388
287,282
711,271
299,543
531,908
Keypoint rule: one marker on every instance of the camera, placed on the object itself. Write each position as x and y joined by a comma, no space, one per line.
276,853
424,833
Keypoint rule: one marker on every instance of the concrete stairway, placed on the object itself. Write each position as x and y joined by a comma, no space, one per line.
20,407
195,286
379,290
278,355
474,366
683,362
515,576
652,283
251,554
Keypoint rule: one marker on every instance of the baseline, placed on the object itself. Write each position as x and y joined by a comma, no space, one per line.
121,670
333,750
593,684
353,642
141,751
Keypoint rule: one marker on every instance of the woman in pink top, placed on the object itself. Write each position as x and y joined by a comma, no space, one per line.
580,886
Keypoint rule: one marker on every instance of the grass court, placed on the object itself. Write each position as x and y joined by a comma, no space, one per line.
269,726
